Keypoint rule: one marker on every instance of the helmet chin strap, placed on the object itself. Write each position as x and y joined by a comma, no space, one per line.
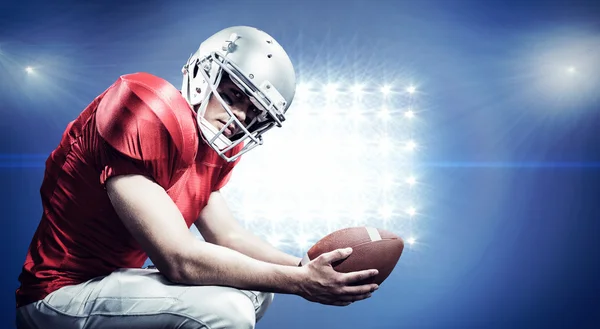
208,132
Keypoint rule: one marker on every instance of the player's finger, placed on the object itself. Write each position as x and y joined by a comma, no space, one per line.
335,255
362,297
358,275
354,298
360,290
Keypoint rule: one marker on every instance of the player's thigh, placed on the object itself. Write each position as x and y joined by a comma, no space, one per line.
140,298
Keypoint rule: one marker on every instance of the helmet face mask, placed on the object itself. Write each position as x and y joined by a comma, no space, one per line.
259,67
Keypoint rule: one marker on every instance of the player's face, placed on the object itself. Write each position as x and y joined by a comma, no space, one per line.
238,102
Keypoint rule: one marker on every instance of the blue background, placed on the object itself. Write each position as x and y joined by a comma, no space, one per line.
513,166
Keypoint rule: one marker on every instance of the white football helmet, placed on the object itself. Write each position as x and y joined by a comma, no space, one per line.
259,66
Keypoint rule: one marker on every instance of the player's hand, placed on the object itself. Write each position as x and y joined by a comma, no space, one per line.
322,284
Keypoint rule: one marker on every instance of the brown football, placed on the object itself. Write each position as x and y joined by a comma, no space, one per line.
372,248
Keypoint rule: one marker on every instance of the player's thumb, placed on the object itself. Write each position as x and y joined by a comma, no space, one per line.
337,255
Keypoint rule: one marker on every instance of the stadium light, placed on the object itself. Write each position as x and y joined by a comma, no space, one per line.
386,89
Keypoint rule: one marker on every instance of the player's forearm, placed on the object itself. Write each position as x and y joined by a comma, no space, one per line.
208,264
255,247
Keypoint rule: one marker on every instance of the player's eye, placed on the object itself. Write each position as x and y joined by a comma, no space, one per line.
250,115
226,99
255,112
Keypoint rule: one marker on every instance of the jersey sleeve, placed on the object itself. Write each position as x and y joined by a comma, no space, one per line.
143,131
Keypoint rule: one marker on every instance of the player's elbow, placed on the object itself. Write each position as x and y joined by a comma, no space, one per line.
172,271
184,264
174,265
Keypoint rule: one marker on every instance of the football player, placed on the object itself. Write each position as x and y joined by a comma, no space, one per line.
141,164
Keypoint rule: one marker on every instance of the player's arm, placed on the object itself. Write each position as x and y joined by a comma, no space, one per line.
154,220
157,224
217,225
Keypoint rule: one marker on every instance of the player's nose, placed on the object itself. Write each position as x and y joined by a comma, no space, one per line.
239,113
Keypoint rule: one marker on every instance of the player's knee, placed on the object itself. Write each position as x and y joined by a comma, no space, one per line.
219,307
238,311
264,301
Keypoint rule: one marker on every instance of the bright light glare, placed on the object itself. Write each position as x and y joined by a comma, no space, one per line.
571,69
357,89
303,88
385,211
356,115
302,241
411,89
385,145
409,114
411,241
358,212
29,69
387,181
330,88
386,89
384,114
350,166
274,240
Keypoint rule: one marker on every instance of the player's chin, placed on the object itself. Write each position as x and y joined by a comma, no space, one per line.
219,125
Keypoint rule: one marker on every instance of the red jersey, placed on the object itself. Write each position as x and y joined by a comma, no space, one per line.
140,125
